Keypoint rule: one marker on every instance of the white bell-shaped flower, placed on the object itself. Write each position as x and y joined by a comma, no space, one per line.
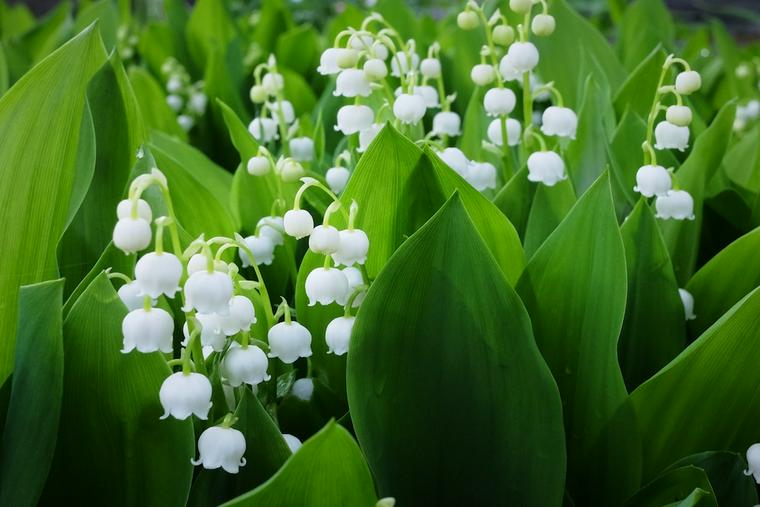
131,295
241,316
447,123
337,178
158,273
546,167
379,50
508,70
676,204
298,223
400,64
258,166
289,169
352,83
481,175
355,280
347,58
302,149
652,180
367,135
262,249
147,331
353,119
293,442
186,122
671,137
130,235
124,210
273,83
482,74
324,239
543,25
559,121
208,292
514,131
688,82
221,447
212,335
375,69
326,286
263,130
430,68
285,107
198,262
409,108
303,389
352,248
523,56
175,102
245,365
456,159
272,227
328,62
338,334
679,115
174,84
428,94
185,394
197,103
499,101
289,341
688,304
753,462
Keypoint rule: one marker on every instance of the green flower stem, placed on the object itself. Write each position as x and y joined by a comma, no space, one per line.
358,290
121,276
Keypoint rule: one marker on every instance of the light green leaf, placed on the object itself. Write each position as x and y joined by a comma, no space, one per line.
646,24
441,317
106,14
587,154
550,206
28,440
35,206
636,94
515,198
328,469
209,28
742,162
298,48
153,107
688,486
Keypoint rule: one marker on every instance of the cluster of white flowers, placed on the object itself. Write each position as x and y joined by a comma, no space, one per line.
746,114
186,99
653,180
126,43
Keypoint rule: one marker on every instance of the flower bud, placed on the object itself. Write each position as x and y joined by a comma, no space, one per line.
447,123
676,204
514,131
354,118
174,84
324,239
197,103
158,273
273,83
338,334
175,102
124,210
688,304
688,82
520,6
328,62
258,165
431,68
482,74
678,115
499,101
293,442
523,56
559,121
302,149
669,136
503,35
481,175
400,64
186,122
131,295
272,228
467,20
298,223
367,135
352,83
289,341
375,69
355,279
347,58
245,365
147,331
262,249
409,108
303,389
546,167
543,25
258,94
185,394
456,159
326,286
131,235
221,447
352,249
208,292
263,129
289,170
337,178
753,462
652,180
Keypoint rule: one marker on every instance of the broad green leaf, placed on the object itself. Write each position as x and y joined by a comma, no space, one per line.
725,470
646,24
154,110
328,469
265,452
31,427
724,280
682,236
112,447
550,206
474,126
15,19
574,288
274,19
654,330
209,28
676,415
4,78
676,485
636,94
400,16
587,154
515,198
297,91
106,13
299,49
442,317
742,162
35,206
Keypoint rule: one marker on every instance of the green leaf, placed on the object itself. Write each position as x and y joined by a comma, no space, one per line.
112,447
4,78
682,236
574,289
328,469
106,14
299,49
515,198
35,206
587,154
725,470
674,487
742,162
646,24
654,330
441,317
154,110
675,416
550,206
28,440
636,94
209,28
724,280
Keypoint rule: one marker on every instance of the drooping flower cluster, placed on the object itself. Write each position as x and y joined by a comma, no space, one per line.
185,98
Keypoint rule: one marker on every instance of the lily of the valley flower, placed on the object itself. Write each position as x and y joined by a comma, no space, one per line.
352,248
447,123
328,62
245,365
481,175
522,56
375,69
367,135
668,136
688,304
263,130
131,235
353,119
688,82
499,101
293,442
284,107
288,341
124,210
352,83
262,249
289,169
456,159
546,167
326,286
208,292
147,330
543,25
514,131
753,462
241,316
400,64
559,121
221,447
272,227
676,204
338,334
185,394
158,273
652,180
482,74
337,178
212,334
258,166
303,389
678,115
298,223
131,295
355,280
409,108
324,239
198,262
430,68
273,83
302,148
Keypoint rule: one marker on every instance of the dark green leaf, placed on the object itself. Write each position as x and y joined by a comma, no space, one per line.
675,486
727,478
